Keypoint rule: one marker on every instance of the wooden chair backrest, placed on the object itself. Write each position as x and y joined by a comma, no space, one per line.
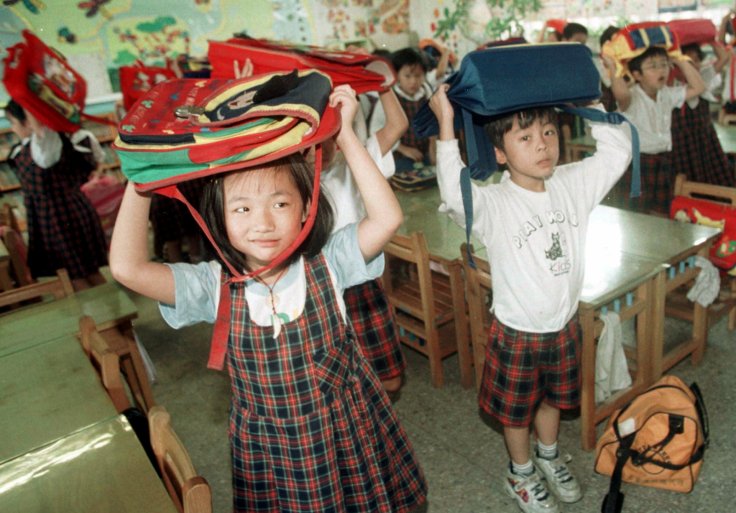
412,249
59,287
706,191
189,492
18,253
478,285
106,362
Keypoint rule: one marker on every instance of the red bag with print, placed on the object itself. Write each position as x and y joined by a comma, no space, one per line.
136,80
44,84
363,72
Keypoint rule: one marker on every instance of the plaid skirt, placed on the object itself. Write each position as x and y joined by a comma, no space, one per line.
523,369
657,183
373,323
311,427
696,150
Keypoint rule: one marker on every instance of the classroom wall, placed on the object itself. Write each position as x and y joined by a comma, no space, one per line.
97,36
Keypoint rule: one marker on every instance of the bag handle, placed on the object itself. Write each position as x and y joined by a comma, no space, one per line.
702,413
613,502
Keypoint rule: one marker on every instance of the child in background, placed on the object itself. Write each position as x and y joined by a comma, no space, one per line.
367,306
696,150
533,225
63,228
648,104
412,90
575,33
311,428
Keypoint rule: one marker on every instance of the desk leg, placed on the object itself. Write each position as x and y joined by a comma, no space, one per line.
587,371
5,282
461,325
656,355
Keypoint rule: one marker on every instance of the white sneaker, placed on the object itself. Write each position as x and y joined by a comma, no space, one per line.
530,493
559,479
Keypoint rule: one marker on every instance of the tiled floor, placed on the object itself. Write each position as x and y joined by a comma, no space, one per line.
463,456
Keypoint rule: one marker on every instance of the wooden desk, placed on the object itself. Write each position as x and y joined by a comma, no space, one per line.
48,391
99,469
108,304
626,284
675,245
443,242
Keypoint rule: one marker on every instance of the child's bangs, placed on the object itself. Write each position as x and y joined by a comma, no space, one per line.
528,117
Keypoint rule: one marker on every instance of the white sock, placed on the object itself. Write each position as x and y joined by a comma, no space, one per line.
548,452
525,469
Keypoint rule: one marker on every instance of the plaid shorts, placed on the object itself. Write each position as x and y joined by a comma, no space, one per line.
522,369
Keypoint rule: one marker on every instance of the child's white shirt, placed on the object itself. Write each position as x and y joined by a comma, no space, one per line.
340,188
536,241
198,285
378,120
653,119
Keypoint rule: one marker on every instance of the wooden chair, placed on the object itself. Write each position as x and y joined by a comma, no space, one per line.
124,349
58,287
18,254
106,363
424,303
190,492
478,295
725,304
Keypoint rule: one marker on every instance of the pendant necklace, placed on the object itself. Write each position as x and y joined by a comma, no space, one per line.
277,319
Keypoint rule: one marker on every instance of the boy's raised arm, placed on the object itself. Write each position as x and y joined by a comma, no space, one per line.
396,121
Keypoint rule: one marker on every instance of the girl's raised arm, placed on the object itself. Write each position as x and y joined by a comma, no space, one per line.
129,260
383,213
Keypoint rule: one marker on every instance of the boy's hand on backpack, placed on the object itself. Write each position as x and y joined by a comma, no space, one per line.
442,108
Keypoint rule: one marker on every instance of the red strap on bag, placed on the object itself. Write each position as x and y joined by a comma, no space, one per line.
41,80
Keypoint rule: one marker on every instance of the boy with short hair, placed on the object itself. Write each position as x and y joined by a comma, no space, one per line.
412,90
648,104
533,225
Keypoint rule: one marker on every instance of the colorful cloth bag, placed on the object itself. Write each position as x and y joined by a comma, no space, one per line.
363,72
191,128
634,39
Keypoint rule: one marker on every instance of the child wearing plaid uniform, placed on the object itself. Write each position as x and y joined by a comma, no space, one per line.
648,104
533,225
696,150
367,306
311,428
64,231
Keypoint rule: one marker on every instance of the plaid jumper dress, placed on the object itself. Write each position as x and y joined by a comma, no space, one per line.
696,150
311,428
373,323
63,228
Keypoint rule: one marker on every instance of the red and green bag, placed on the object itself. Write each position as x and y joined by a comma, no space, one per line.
191,128
363,72
44,84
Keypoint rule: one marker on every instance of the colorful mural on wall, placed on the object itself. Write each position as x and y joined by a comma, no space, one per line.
101,35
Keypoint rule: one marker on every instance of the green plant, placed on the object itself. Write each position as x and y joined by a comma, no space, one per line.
506,17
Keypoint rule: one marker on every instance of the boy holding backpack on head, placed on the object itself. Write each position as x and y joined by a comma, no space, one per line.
533,224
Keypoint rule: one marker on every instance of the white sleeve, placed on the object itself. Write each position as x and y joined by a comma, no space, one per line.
385,162
449,165
46,150
95,147
197,294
